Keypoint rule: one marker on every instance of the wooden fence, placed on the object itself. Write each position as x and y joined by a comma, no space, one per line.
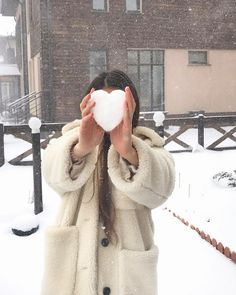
200,122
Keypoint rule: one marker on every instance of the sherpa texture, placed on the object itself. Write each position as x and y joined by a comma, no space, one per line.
73,247
153,181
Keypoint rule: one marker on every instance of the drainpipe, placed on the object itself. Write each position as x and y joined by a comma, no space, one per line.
24,46
48,102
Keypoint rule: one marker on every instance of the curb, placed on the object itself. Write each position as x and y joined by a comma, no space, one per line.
226,251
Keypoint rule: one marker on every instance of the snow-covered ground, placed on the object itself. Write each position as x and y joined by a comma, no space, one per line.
188,265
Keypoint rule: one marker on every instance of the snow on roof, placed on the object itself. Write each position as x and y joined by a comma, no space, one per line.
9,70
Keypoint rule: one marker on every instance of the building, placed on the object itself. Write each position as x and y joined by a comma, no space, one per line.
180,54
9,74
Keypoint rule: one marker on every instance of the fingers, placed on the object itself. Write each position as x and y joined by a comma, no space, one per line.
88,108
86,99
87,118
130,100
127,118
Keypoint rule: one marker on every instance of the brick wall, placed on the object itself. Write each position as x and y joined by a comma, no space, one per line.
75,29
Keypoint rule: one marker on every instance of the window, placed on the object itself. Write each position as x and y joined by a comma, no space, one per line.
11,55
197,57
97,63
146,69
100,5
8,90
132,5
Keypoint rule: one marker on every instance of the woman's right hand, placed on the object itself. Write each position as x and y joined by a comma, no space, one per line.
91,134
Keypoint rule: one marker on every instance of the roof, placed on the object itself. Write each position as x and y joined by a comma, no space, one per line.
9,70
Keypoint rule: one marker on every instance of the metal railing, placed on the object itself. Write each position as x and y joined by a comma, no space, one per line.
25,107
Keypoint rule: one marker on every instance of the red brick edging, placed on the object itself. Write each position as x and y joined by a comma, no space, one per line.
217,245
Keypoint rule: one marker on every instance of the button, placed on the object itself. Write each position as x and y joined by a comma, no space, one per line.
106,291
105,242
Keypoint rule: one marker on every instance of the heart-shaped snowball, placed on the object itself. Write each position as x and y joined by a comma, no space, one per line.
109,108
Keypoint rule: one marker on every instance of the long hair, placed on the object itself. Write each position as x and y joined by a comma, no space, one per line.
119,80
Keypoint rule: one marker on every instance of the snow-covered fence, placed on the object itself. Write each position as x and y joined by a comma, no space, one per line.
199,122
184,123
48,131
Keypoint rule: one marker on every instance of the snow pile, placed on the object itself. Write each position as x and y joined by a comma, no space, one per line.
25,224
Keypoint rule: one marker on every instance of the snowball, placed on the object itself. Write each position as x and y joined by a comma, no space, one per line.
109,108
34,124
159,117
25,222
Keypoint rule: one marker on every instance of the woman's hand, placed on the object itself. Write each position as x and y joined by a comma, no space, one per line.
91,134
121,135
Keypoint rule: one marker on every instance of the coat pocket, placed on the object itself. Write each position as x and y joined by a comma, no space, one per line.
138,272
60,260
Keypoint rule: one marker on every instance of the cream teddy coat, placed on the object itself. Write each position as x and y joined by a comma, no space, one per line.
79,260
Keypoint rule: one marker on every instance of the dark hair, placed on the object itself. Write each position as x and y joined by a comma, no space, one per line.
119,80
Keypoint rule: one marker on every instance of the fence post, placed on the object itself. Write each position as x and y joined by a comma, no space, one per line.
2,157
201,129
159,118
35,125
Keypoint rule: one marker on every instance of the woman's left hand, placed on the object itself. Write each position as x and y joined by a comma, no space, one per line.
121,135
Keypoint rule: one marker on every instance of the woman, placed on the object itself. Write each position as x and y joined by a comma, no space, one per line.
102,241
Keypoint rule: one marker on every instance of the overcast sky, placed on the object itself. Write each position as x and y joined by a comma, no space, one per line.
7,25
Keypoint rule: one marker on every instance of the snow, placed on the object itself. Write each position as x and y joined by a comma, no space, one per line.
25,222
109,108
9,70
7,25
35,124
187,264
158,118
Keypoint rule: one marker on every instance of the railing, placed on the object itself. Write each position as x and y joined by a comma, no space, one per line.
200,123
25,107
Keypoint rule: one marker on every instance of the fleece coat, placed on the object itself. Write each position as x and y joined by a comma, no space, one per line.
78,258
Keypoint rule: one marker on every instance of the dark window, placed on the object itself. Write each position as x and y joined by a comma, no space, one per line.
11,56
133,5
9,90
97,62
100,4
146,69
197,57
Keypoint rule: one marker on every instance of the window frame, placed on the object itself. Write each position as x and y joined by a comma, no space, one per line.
106,7
152,65
198,63
134,11
96,65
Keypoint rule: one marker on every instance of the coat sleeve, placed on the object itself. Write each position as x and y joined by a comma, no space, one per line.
57,167
154,179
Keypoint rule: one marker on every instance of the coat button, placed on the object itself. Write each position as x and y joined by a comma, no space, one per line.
105,242
106,291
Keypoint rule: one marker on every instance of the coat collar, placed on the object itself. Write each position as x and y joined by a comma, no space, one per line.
142,132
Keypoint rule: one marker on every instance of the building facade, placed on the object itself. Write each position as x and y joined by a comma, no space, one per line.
9,74
181,55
